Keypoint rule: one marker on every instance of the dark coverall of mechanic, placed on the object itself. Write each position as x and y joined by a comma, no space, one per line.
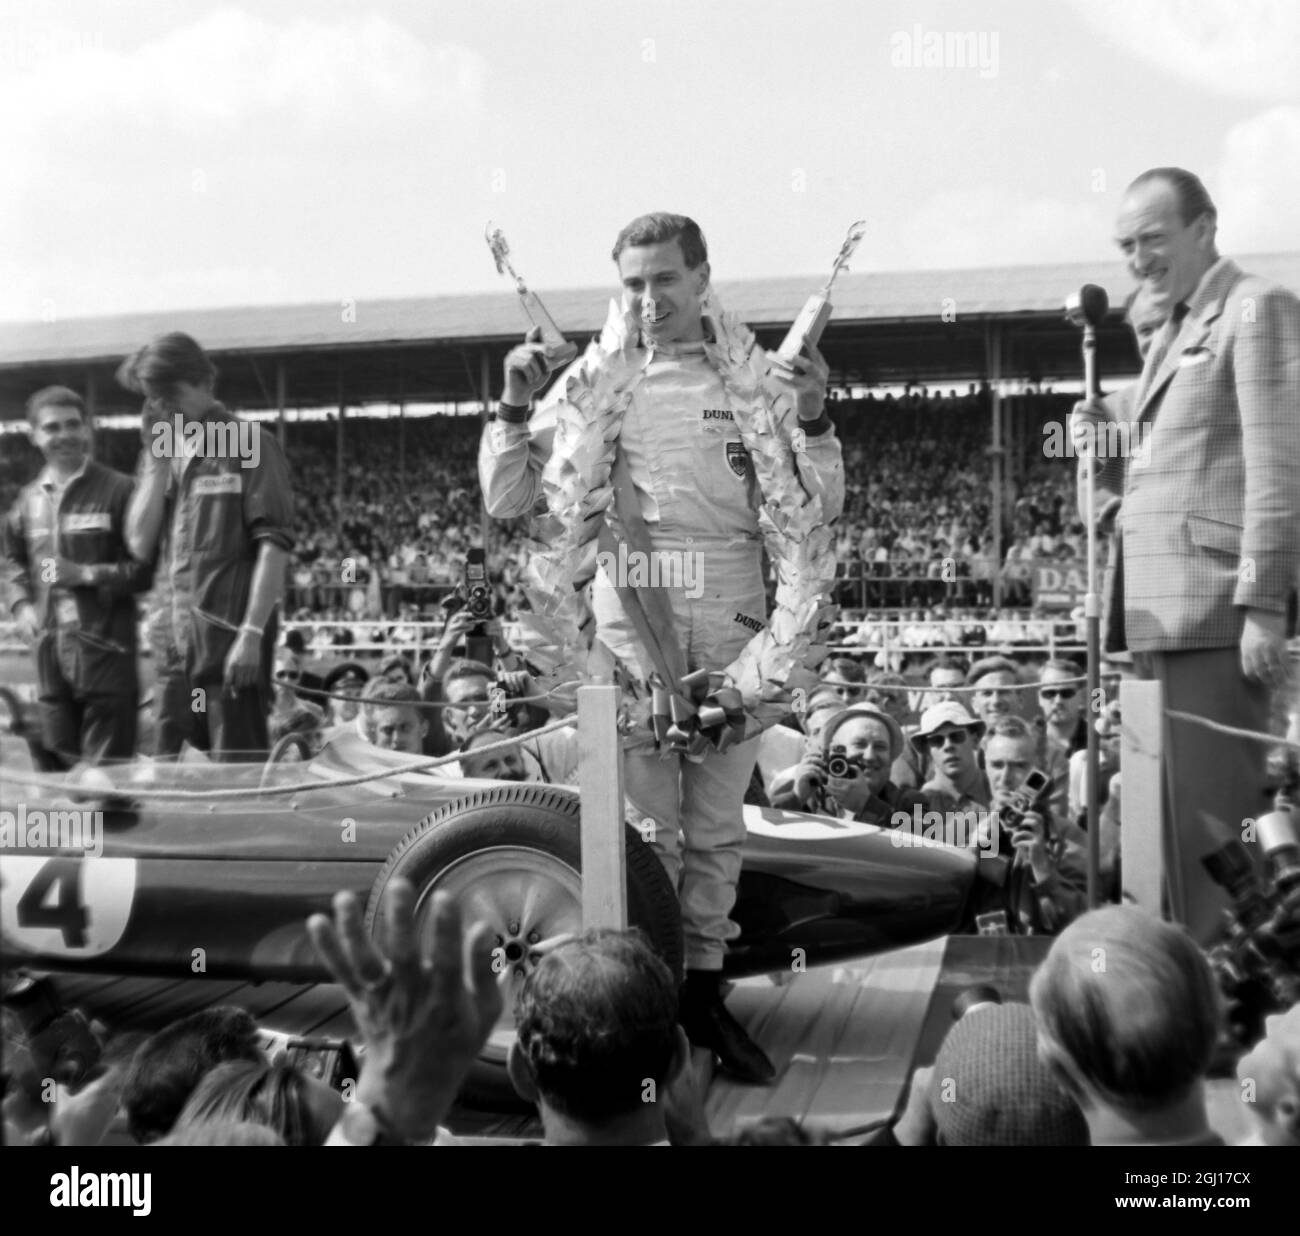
220,521
697,490
72,584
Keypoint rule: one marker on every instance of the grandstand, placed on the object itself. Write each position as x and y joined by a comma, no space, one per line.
951,472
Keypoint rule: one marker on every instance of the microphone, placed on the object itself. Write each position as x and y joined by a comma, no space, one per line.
1088,306
1087,309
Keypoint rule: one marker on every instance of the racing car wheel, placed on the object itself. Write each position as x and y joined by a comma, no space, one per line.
512,856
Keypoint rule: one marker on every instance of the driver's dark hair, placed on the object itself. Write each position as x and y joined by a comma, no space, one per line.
661,227
597,1021
168,1066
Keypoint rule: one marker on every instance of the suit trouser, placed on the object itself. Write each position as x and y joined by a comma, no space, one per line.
1213,782
173,717
78,724
231,727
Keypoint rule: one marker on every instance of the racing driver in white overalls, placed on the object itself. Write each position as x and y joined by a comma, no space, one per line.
699,498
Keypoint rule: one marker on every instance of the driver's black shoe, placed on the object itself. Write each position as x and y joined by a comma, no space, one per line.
707,1023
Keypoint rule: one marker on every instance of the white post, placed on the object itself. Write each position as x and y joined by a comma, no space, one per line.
1141,706
600,781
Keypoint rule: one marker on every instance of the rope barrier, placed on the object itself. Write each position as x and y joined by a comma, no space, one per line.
1231,731
925,688
511,700
57,784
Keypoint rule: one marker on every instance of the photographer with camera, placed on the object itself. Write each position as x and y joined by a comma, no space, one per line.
473,629
850,775
1048,873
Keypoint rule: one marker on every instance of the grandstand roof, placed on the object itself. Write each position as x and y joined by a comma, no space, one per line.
888,326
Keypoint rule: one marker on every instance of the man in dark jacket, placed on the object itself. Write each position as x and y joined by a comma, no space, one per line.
215,506
72,585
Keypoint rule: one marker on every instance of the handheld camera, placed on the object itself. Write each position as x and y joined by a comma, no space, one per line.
1025,799
845,767
329,1060
474,595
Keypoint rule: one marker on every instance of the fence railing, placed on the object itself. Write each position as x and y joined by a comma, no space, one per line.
960,581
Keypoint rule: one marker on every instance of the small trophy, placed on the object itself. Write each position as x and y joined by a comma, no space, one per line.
559,351
816,312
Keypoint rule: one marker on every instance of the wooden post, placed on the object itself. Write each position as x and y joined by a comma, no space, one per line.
485,410
1141,706
600,779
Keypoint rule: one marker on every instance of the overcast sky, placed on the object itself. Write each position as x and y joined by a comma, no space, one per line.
190,154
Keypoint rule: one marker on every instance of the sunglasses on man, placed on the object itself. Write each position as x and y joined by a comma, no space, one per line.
958,737
1058,693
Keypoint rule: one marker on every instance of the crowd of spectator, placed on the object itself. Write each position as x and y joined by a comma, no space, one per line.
597,1018
916,530
1113,1055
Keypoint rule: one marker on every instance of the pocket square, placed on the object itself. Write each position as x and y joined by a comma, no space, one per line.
1193,357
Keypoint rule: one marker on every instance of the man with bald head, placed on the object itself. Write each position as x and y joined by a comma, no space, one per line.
1205,581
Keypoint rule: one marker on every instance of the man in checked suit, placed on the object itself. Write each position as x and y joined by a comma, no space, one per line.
1204,582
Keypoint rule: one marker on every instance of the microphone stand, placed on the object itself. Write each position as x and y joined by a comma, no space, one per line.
1092,619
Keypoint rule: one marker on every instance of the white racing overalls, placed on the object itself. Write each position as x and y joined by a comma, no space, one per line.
699,499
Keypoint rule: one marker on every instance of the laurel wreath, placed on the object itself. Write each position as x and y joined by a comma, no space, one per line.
757,688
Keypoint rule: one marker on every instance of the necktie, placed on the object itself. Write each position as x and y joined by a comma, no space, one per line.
1160,350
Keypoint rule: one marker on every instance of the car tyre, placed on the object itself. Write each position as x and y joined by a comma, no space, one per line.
507,853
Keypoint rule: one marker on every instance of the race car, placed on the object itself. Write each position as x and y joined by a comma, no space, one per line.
214,871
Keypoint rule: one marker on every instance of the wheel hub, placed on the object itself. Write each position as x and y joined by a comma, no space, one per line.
528,898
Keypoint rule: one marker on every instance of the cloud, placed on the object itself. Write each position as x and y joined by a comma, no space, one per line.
1259,175
211,149
1246,49
996,226
230,67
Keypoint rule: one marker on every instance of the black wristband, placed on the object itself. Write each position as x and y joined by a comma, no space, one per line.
511,413
814,429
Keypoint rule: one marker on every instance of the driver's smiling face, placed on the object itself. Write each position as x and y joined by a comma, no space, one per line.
663,292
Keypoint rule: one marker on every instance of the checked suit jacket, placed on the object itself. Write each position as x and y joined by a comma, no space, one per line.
1210,521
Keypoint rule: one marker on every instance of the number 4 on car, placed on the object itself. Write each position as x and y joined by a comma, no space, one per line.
65,906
